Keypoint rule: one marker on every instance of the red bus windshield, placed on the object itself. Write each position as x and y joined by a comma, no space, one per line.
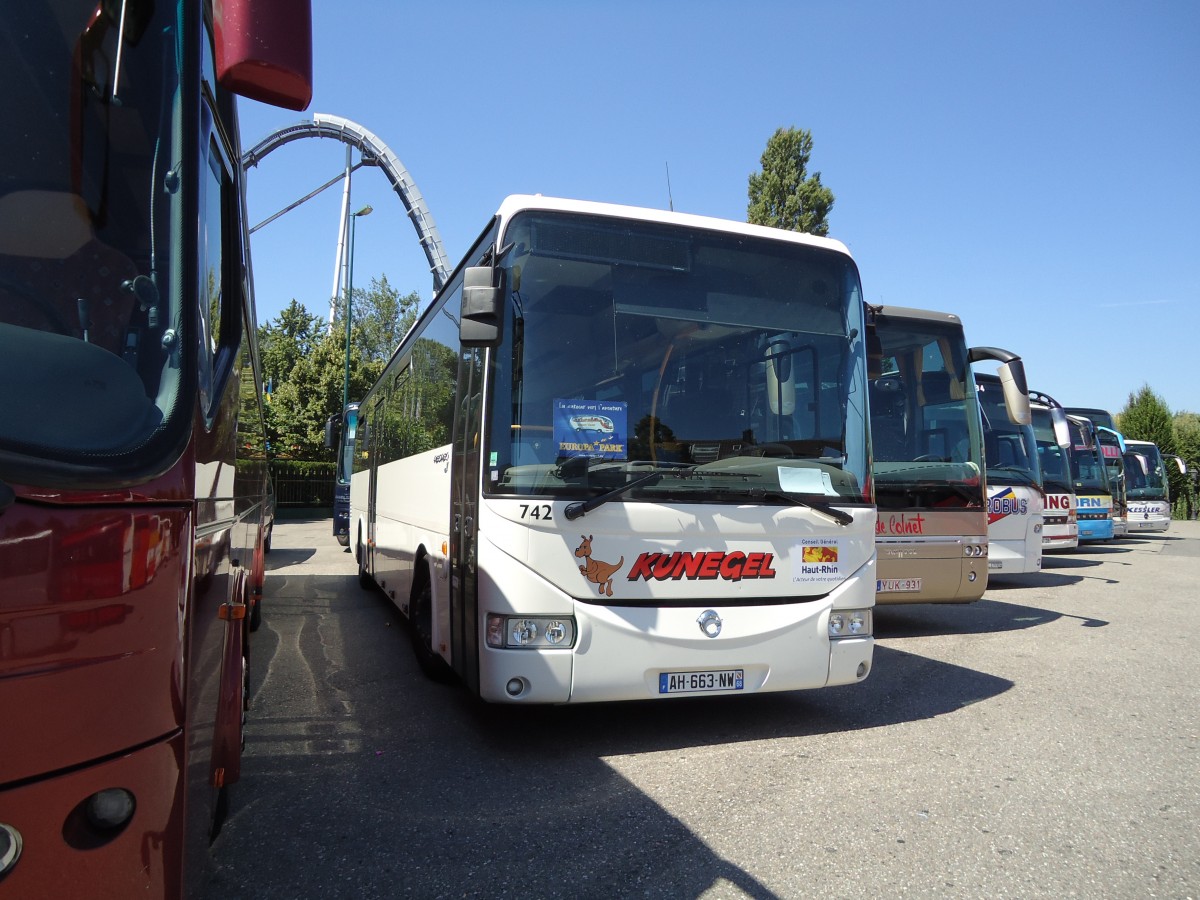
89,318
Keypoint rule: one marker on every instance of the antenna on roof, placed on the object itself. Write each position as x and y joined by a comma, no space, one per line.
670,199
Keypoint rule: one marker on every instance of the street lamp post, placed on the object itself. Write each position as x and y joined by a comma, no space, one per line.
365,211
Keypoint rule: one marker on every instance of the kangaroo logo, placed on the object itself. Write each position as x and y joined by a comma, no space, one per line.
595,571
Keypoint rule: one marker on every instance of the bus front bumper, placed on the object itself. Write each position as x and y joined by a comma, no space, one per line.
64,854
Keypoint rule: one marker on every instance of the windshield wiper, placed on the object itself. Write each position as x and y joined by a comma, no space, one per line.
1015,470
681,470
842,518
575,510
7,497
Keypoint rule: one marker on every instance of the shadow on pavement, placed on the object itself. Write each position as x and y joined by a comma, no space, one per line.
984,616
1059,561
362,778
281,559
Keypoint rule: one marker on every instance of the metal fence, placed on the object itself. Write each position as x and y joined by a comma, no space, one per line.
307,484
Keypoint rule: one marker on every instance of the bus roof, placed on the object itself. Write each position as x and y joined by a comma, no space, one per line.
925,315
1097,416
516,203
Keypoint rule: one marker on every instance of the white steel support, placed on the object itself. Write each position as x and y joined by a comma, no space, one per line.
339,266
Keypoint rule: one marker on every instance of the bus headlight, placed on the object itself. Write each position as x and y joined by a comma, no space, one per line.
529,632
974,550
850,623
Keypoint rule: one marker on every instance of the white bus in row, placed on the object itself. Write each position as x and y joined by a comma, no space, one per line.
1060,524
1148,487
625,454
1016,500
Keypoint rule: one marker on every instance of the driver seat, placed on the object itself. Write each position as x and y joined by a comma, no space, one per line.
55,275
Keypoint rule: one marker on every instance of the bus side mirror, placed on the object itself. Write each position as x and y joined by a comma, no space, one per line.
1016,392
482,306
331,433
1179,464
264,50
1062,429
1012,381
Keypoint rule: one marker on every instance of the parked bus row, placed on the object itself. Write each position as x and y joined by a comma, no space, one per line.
629,453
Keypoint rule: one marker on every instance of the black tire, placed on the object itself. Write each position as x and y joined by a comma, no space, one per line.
256,614
220,813
420,630
364,577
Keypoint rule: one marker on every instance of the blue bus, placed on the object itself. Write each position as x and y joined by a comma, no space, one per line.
340,432
1093,492
1112,448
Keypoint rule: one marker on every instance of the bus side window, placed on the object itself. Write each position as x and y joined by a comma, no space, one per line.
220,273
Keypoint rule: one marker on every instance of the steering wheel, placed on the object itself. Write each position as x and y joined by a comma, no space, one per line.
929,457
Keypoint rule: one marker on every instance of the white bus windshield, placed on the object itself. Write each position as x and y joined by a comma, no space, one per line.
1087,465
1150,484
1054,461
925,424
731,365
1010,449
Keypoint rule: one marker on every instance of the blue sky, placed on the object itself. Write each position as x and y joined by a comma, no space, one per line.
1032,167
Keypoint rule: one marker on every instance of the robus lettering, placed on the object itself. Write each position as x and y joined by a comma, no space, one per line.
1008,506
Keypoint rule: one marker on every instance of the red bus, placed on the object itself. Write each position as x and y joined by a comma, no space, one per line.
133,472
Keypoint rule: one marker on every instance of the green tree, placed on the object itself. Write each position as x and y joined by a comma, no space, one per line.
381,318
1186,427
1187,445
783,194
1146,417
304,362
290,337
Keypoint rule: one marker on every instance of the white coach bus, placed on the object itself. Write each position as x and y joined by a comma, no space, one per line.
624,454
1149,487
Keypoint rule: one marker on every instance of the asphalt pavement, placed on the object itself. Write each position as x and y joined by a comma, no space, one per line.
1042,742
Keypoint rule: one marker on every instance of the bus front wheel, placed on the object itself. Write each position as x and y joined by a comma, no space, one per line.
360,553
420,629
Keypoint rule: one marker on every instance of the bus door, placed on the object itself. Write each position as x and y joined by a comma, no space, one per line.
372,437
464,512
482,304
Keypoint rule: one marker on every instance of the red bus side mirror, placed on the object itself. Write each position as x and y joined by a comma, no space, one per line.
264,50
